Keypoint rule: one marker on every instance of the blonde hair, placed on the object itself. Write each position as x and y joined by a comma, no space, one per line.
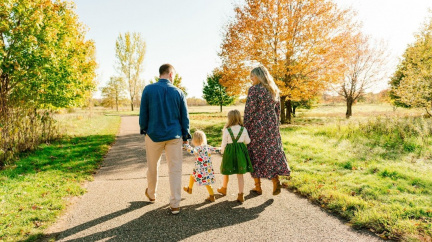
234,118
199,138
266,80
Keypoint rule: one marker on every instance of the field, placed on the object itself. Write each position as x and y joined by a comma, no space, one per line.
35,190
374,170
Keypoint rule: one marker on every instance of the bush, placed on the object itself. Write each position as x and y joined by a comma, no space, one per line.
24,129
409,134
193,101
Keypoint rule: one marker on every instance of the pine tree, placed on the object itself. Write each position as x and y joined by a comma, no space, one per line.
214,93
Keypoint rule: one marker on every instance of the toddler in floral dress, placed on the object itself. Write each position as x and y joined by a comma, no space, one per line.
203,173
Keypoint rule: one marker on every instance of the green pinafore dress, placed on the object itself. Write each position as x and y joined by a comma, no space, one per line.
236,159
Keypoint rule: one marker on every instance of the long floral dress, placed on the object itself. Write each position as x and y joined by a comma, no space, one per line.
203,170
261,119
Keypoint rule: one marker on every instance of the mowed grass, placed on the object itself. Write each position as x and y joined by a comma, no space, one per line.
210,120
374,170
35,190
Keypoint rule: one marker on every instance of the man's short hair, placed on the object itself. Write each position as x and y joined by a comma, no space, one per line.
166,69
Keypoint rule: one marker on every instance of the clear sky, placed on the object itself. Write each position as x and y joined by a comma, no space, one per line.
188,33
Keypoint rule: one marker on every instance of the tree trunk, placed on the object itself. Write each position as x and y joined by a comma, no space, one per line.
116,99
427,111
221,107
91,106
349,107
294,108
282,111
288,111
132,106
3,119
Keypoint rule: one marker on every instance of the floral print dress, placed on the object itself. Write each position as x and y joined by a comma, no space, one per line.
261,119
203,170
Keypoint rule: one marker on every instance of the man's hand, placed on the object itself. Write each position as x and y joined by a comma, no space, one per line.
186,142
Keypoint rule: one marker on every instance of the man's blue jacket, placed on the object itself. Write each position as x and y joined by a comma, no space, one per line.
163,112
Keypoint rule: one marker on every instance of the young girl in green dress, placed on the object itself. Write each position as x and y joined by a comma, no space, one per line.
235,154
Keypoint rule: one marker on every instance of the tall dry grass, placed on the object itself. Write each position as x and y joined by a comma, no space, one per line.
24,129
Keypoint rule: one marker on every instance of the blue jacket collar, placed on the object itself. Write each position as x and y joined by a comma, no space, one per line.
164,80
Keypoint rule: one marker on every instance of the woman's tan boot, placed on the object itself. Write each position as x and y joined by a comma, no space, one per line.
240,198
276,186
257,188
222,190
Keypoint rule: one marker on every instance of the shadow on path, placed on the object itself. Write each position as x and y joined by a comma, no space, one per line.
160,225
133,206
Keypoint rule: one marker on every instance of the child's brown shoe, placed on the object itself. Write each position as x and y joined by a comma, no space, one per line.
211,198
188,190
240,198
222,190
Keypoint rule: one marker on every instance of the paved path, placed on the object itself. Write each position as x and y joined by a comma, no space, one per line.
116,209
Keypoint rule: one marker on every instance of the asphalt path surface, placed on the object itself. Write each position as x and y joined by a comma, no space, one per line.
116,209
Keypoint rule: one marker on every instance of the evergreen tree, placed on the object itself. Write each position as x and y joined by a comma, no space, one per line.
214,93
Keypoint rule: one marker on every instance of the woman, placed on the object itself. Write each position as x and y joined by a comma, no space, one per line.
261,119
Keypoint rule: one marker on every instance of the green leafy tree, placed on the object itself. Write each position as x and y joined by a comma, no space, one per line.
305,104
394,84
214,93
45,63
411,85
45,59
114,92
130,51
177,82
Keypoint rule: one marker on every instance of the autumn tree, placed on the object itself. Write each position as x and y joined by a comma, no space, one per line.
366,66
302,43
411,85
214,93
113,93
130,51
384,96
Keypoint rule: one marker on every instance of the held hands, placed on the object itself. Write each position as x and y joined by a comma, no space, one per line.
185,145
218,150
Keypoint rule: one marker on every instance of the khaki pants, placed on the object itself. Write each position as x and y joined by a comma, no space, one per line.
174,156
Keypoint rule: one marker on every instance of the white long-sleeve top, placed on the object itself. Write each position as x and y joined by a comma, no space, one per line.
226,137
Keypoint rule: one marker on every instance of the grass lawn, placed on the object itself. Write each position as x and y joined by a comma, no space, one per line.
35,190
374,170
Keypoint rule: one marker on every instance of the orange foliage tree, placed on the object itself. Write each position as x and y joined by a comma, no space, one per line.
302,43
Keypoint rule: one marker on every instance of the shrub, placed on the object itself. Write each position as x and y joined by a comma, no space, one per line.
24,129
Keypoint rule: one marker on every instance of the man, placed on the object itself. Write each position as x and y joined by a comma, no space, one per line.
164,120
